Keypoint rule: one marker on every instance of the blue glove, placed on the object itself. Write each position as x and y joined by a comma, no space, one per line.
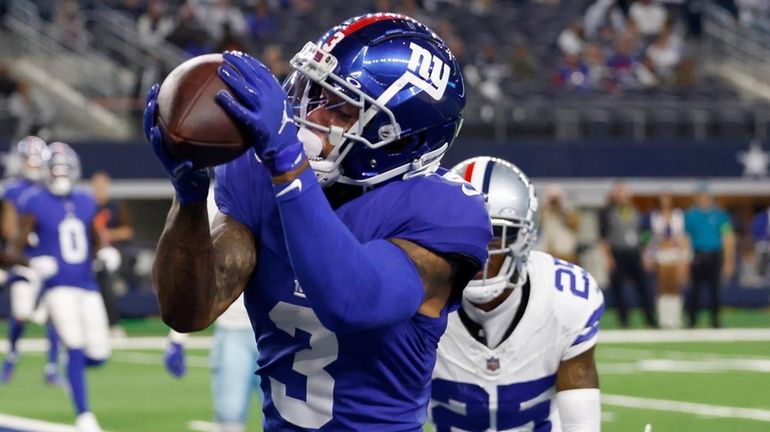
192,186
174,359
262,110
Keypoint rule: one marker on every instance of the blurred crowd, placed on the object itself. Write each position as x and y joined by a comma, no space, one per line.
628,45
28,111
674,260
517,47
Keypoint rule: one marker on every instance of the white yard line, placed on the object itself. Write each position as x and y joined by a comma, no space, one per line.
134,357
686,407
130,343
201,426
155,359
26,424
694,335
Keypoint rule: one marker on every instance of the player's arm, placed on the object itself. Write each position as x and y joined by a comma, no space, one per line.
728,248
10,222
125,229
437,274
14,253
353,285
199,269
199,272
577,393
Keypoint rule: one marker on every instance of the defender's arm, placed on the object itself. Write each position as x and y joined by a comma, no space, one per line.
577,387
199,272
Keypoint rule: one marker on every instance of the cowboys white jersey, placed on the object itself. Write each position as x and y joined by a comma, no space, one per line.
511,387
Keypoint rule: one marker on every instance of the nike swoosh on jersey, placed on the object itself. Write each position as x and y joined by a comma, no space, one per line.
295,184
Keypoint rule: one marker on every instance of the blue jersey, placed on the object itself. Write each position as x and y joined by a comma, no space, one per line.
63,226
376,379
14,188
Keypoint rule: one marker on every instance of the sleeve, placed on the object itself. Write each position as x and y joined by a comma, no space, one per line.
26,203
447,217
239,189
585,332
350,285
450,218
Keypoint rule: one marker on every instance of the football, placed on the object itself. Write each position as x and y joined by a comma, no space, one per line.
193,124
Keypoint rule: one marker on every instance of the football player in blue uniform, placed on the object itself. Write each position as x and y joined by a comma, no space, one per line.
62,218
519,354
349,244
26,165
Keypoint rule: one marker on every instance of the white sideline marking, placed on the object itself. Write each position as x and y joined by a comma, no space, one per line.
201,426
26,424
687,366
155,359
639,353
130,343
689,335
148,359
687,407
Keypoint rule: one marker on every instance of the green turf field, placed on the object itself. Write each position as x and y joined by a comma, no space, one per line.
682,386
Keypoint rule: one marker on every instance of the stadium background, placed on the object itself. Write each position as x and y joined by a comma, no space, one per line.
552,86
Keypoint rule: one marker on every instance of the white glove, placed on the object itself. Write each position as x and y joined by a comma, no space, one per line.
110,257
44,265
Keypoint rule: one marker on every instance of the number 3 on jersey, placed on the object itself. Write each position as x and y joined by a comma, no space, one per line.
73,241
316,409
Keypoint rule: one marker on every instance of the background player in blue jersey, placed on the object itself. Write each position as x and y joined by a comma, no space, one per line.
25,167
519,354
62,218
348,292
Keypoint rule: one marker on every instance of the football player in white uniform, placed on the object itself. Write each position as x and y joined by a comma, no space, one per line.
519,354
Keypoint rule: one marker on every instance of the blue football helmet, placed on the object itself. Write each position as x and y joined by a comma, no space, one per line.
29,159
406,85
513,210
63,169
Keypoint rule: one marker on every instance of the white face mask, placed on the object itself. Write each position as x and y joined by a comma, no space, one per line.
60,186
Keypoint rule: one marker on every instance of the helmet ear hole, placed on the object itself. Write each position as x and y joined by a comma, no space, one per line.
402,145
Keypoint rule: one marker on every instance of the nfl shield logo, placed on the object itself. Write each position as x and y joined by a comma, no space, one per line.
493,364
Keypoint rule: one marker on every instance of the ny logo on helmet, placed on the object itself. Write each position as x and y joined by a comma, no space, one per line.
433,72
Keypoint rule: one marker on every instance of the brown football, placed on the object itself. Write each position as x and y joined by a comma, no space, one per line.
193,124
